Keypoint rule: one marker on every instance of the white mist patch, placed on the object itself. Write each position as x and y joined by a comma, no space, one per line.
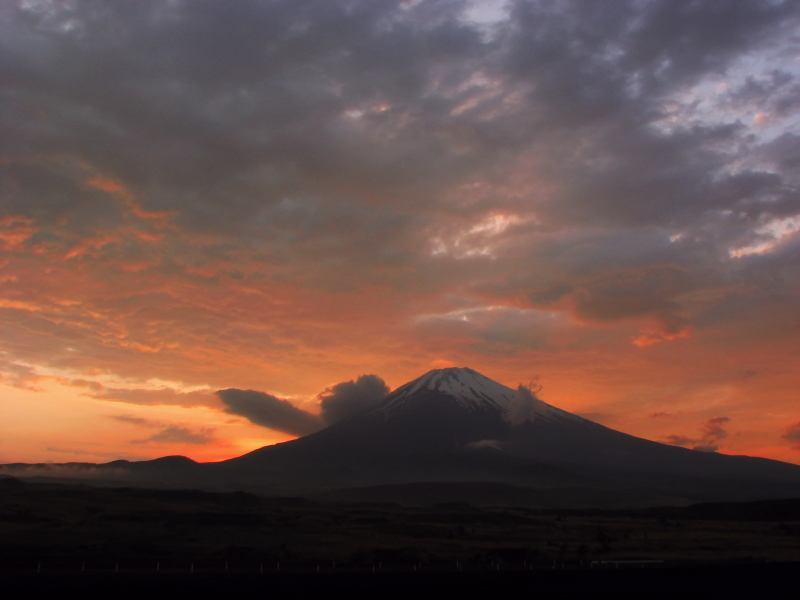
66,470
772,234
480,239
485,445
523,408
487,12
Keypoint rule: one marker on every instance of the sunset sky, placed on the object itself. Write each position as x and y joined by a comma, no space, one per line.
602,197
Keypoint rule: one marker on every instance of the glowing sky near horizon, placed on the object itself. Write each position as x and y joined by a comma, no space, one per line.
282,195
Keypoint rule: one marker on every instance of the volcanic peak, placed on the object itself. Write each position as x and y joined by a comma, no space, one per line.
468,388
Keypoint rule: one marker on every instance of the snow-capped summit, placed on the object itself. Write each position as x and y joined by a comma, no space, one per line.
466,389
469,388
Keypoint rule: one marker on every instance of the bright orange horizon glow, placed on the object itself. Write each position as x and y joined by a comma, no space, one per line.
313,197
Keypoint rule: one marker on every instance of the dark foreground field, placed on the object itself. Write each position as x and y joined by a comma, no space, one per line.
196,544
707,582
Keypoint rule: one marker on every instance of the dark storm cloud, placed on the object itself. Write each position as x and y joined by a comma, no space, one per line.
337,127
251,117
784,153
646,151
623,293
337,403
713,434
610,64
775,92
350,398
603,85
268,411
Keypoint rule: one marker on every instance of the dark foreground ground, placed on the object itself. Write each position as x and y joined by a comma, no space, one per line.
105,542
774,580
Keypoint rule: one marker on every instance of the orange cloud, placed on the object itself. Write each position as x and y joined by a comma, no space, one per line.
650,338
19,304
107,185
147,236
90,244
761,119
162,216
15,231
441,363
115,187
15,219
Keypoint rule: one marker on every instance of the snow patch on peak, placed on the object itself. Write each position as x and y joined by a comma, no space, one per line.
472,391
469,388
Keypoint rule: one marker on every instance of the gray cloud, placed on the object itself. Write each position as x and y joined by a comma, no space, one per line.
350,398
107,455
148,397
646,150
524,405
23,377
337,403
713,433
134,420
496,329
660,414
72,470
268,411
486,445
301,114
179,435
793,435
168,434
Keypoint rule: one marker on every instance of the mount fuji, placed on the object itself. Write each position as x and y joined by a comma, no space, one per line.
456,435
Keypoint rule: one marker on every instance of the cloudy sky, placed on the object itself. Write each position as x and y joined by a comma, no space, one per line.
274,197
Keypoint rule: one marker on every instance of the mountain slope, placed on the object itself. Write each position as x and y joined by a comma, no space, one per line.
453,425
454,429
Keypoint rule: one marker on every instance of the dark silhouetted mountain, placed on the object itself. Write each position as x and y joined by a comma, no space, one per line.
456,435
452,426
